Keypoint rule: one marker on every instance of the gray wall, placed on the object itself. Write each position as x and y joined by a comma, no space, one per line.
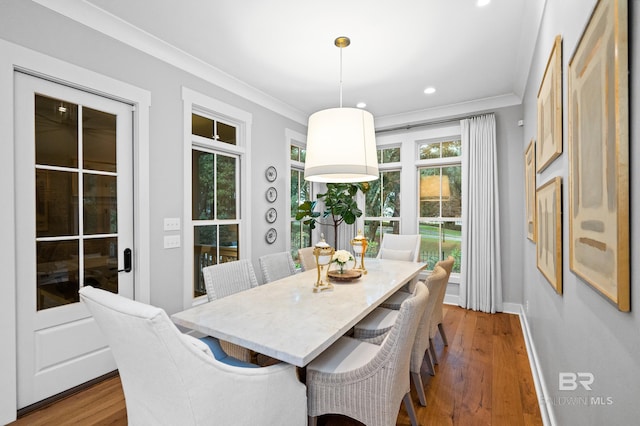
32,26
579,331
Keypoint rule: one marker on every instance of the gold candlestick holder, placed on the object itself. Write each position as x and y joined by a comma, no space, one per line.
359,244
324,255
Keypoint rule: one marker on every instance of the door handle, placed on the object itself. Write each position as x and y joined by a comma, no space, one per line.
127,261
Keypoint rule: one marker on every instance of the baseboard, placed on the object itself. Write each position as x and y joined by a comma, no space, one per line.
542,393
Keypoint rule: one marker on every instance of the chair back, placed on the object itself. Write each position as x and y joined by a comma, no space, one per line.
421,344
395,351
276,265
170,378
400,247
438,314
228,278
307,258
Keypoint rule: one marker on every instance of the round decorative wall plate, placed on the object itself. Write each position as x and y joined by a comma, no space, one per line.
271,194
271,235
271,215
271,173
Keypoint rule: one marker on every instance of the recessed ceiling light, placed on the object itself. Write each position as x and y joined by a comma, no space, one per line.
361,104
430,90
482,3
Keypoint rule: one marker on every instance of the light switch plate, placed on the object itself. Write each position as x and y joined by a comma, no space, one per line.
171,241
171,223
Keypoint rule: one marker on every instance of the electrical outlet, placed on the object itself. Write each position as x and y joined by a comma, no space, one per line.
171,241
526,306
171,223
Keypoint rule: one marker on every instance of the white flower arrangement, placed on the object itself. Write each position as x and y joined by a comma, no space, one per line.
341,257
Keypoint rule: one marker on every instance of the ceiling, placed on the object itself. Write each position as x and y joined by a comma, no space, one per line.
284,50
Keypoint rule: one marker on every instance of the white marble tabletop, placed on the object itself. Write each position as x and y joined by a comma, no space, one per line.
286,320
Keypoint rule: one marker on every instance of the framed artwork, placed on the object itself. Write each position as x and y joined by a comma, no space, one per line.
530,189
549,145
599,154
549,232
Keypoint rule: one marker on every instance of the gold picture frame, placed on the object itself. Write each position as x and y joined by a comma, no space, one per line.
549,145
598,106
530,189
549,232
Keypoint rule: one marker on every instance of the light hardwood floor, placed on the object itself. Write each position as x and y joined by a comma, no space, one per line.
483,378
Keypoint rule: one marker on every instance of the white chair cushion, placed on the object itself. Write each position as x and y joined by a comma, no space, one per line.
345,354
379,321
391,254
395,300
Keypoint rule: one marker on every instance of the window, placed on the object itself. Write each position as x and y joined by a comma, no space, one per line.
300,192
216,163
440,200
382,200
214,211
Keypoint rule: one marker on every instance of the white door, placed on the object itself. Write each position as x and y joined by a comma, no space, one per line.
74,227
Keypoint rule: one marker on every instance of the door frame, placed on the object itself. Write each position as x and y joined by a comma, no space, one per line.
12,58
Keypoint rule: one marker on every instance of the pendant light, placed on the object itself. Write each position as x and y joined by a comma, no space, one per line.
341,143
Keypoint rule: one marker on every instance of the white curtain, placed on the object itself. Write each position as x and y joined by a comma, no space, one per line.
480,280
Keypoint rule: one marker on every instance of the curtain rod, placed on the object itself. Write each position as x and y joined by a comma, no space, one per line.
425,123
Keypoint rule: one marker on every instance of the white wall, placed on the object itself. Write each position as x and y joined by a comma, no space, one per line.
579,331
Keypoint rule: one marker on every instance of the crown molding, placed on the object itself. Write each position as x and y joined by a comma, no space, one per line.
99,20
448,111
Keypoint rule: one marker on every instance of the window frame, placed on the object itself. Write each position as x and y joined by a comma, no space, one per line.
431,163
300,140
197,103
396,166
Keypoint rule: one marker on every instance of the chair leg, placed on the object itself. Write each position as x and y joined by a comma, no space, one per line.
408,404
432,349
444,336
430,366
417,382
313,421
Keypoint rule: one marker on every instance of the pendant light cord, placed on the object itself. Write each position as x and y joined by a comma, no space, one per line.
341,77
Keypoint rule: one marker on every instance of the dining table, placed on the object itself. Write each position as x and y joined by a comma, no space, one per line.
286,320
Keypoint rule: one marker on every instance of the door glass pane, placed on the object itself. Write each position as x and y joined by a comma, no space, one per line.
452,191
57,273
56,132
429,150
430,192
452,148
228,250
100,204
390,194
226,133
295,192
440,240
295,153
202,185
56,203
205,253
202,126
226,187
98,140
101,263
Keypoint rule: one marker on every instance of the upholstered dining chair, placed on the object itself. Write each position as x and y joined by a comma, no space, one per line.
170,378
224,279
276,265
307,258
438,314
400,247
373,328
365,381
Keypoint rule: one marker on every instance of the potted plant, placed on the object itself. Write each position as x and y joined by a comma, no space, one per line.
340,206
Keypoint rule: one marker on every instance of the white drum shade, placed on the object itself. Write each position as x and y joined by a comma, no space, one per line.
341,146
